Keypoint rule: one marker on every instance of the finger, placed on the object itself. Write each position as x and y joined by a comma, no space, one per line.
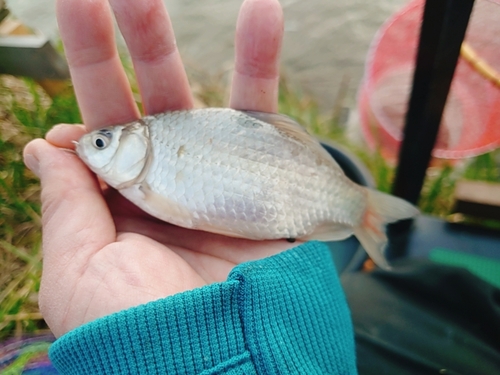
63,135
101,86
76,221
259,33
150,38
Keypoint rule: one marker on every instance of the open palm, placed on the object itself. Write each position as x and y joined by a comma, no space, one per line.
101,253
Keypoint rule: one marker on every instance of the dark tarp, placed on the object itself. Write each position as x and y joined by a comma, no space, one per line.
424,318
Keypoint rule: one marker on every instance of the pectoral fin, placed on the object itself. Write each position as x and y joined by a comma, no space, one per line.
158,206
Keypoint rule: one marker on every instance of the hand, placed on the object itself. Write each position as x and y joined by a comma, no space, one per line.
101,253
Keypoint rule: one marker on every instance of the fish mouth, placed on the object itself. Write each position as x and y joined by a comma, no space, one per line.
77,147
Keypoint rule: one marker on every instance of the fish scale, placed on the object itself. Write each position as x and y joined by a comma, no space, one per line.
245,155
243,174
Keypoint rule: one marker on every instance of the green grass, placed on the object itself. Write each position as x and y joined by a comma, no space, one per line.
26,113
20,238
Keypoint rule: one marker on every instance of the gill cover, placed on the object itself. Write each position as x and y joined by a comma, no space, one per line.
120,155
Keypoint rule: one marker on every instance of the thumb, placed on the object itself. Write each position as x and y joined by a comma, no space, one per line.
75,218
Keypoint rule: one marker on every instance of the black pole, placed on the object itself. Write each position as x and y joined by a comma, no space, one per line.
442,32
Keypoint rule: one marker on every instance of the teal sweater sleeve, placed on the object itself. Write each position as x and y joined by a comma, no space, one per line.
285,314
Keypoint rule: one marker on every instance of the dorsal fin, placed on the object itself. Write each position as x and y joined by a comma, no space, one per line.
283,123
294,130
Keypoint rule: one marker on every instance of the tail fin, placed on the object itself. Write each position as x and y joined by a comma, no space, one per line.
382,209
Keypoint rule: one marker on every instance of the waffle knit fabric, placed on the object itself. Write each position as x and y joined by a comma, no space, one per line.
285,314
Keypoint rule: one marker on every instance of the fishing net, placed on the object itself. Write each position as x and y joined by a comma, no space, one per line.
471,120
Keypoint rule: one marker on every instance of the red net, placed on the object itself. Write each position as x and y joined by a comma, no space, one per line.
471,119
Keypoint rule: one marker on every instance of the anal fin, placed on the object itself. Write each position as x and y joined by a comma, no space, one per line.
329,232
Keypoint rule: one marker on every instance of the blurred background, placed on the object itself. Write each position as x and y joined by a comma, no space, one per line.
325,42
324,59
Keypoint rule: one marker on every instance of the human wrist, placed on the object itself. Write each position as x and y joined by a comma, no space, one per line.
293,298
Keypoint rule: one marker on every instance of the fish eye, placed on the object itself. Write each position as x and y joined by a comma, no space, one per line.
100,142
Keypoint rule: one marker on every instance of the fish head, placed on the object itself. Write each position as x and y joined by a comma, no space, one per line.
118,154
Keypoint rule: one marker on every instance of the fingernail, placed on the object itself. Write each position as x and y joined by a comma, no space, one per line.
32,163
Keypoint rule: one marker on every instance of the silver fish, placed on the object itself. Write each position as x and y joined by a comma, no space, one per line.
242,174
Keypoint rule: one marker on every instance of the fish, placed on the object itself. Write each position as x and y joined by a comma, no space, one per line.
244,174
